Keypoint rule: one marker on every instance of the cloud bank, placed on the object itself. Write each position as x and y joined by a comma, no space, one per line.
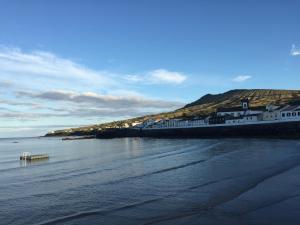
94,99
82,105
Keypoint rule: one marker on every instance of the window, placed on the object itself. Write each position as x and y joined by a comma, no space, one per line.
288,114
294,114
283,114
298,113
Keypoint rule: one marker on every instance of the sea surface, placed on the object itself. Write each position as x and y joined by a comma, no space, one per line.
151,181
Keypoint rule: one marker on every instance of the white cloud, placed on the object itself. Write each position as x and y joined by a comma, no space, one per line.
295,51
159,76
134,78
16,64
241,78
165,76
16,103
5,84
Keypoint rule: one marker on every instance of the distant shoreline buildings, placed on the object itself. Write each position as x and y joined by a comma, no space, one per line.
242,115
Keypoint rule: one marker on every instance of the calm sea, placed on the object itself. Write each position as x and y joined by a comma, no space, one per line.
151,181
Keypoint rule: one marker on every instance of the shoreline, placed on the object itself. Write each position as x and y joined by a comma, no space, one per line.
283,130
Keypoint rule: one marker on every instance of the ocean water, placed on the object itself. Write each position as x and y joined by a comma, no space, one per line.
151,181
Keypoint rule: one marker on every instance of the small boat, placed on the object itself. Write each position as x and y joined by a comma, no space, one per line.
28,156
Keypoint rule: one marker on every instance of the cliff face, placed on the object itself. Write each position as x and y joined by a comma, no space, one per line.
205,105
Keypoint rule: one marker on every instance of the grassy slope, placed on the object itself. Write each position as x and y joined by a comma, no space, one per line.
204,106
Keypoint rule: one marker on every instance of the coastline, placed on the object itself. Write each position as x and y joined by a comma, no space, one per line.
286,130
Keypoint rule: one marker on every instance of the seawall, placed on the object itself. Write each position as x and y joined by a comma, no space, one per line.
270,130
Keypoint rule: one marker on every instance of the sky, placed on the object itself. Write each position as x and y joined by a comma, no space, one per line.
70,63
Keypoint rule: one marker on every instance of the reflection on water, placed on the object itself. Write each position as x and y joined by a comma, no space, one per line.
151,181
24,163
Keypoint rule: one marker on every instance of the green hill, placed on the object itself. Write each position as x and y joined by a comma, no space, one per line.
204,106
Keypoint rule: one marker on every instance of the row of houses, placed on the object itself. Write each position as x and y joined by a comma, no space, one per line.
238,115
178,123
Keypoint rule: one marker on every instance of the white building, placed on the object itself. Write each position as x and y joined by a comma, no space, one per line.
252,118
136,124
232,116
178,123
272,113
249,118
234,120
290,113
242,110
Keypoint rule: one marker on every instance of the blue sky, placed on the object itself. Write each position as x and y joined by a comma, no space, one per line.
67,63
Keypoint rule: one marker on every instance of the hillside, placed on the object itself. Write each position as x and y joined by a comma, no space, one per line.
205,105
